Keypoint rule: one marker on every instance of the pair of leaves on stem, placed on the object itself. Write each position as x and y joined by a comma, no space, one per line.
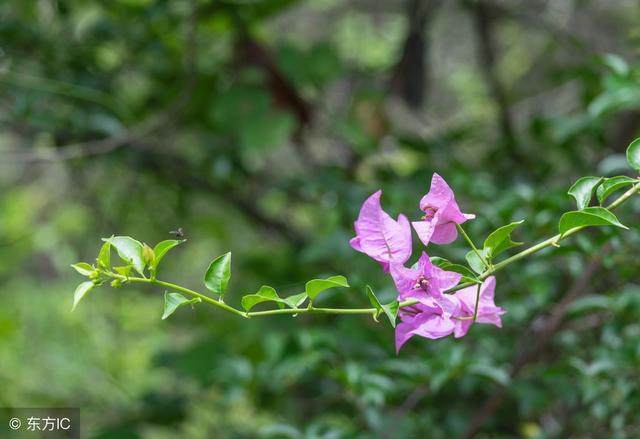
583,189
135,253
311,290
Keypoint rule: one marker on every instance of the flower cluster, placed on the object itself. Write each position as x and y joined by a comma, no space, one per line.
389,242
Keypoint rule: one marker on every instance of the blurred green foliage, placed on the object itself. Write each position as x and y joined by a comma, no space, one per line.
259,127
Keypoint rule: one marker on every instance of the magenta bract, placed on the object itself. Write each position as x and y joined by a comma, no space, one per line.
441,214
381,237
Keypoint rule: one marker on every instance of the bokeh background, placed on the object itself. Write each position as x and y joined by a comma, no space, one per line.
260,127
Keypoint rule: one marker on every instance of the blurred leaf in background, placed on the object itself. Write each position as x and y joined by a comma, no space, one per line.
260,127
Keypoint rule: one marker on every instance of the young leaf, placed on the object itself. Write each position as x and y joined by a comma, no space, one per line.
218,274
173,301
582,190
316,286
500,239
390,309
611,185
129,251
475,262
374,302
591,216
124,270
296,300
104,257
633,154
80,292
83,268
161,249
264,294
147,254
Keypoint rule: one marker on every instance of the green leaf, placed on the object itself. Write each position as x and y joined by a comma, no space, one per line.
316,286
582,190
591,216
616,63
475,262
104,256
83,268
124,270
148,256
129,251
80,292
633,154
496,374
173,301
218,274
161,249
500,239
295,300
467,275
389,309
438,261
264,294
611,185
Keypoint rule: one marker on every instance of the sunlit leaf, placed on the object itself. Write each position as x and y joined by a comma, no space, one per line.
123,270
104,256
129,250
83,268
80,292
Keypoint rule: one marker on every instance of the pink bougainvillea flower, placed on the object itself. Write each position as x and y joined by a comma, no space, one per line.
381,237
488,312
441,214
431,319
424,282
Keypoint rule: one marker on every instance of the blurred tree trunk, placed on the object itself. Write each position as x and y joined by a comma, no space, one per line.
411,77
484,14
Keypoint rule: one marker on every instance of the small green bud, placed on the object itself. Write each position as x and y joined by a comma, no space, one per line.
148,256
116,283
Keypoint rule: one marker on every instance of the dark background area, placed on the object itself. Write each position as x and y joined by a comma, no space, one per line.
260,127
